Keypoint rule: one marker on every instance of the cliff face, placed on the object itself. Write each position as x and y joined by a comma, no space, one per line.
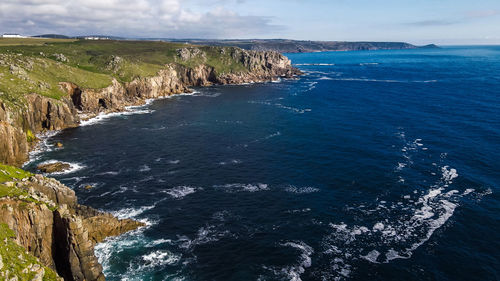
41,113
50,225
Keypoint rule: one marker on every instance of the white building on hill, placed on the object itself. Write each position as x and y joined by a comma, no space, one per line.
12,35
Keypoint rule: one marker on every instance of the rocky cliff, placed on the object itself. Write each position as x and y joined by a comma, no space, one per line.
37,113
50,224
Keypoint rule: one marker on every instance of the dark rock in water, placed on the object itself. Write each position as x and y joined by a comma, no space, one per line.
53,167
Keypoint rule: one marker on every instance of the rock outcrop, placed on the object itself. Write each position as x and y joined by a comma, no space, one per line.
53,167
39,113
52,226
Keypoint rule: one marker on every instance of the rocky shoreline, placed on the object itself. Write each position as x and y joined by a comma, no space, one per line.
41,114
53,227
44,214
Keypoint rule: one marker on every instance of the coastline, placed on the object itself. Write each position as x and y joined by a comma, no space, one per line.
81,226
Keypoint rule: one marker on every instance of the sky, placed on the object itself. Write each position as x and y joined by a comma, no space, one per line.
416,21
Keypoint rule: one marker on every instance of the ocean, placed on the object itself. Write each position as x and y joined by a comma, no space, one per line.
375,165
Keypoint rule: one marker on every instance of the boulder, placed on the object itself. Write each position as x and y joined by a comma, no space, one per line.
53,167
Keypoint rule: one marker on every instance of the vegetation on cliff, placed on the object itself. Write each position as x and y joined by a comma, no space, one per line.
54,84
37,65
15,261
44,230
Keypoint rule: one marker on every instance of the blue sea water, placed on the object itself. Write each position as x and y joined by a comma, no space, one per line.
377,165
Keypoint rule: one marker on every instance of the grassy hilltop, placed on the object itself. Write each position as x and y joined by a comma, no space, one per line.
38,65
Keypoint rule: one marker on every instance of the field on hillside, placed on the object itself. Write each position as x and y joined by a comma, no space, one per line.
29,65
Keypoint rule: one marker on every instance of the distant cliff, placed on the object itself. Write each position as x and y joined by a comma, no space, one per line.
298,46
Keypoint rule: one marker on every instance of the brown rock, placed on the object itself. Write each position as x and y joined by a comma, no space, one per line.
53,167
59,144
63,239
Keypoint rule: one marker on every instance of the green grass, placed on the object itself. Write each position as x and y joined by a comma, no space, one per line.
16,259
31,41
13,174
38,70
30,137
9,173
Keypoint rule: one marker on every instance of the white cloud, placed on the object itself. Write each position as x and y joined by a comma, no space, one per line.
137,18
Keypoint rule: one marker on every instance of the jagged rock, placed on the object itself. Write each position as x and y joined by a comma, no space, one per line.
114,64
189,53
61,57
43,85
63,239
17,70
53,167
13,144
39,275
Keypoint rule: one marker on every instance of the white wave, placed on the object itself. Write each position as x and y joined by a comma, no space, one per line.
101,117
282,106
43,145
293,272
301,190
160,258
144,168
158,242
305,210
411,226
109,173
113,246
206,94
181,191
75,179
174,161
293,109
205,235
449,174
325,78
372,256
129,213
312,86
229,122
73,167
272,135
235,187
233,161
369,63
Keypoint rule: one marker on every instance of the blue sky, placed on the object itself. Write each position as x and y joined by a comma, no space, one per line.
418,21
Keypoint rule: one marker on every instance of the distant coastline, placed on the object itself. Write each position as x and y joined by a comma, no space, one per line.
278,45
